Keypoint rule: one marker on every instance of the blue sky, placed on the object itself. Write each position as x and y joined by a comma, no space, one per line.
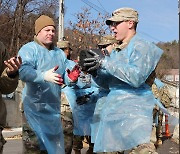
158,19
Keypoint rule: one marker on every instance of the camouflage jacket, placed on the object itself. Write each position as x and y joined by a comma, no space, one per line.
7,84
162,94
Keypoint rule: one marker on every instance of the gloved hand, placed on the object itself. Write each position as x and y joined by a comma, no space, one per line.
53,77
105,52
84,99
85,78
94,62
74,73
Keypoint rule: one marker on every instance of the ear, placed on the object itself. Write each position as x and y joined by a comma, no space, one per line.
130,24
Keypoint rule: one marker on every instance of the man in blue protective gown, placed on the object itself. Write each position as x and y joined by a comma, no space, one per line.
125,117
44,71
82,99
78,100
66,113
83,110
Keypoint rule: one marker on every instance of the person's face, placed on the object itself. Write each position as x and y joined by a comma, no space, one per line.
46,35
121,29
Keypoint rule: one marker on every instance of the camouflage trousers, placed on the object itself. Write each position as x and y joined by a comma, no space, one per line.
30,141
2,140
157,113
147,148
110,153
78,143
67,124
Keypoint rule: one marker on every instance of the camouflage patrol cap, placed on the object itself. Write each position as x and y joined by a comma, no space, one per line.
123,14
63,44
106,40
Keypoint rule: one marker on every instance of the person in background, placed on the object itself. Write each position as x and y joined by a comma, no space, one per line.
125,120
107,42
66,47
160,92
82,99
66,113
86,98
44,69
77,127
8,83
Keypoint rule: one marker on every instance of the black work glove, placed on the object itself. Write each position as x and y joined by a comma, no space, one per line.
105,52
92,59
93,63
84,99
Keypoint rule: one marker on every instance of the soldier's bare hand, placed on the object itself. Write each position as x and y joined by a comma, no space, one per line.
13,64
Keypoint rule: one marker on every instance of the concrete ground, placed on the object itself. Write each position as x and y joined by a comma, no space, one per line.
15,147
14,144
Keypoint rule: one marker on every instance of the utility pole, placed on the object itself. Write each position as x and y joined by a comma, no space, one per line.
178,14
178,7
61,20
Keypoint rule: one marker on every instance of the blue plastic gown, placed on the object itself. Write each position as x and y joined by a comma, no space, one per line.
41,99
97,113
82,114
69,90
125,114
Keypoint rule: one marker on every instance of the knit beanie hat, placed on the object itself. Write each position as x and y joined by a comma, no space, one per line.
42,22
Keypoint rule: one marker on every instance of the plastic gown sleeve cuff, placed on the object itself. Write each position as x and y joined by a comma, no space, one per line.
71,83
104,62
42,74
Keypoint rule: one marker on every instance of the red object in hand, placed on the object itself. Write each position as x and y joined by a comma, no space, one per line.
74,73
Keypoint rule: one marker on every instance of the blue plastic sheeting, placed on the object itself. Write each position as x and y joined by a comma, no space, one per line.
123,118
158,83
82,114
41,99
97,113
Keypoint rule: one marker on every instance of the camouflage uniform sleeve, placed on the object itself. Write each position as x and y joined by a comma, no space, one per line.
163,95
8,84
155,90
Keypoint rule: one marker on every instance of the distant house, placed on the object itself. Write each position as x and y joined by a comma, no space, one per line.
172,75
171,79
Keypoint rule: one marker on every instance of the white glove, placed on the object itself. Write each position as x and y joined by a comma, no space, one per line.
53,77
